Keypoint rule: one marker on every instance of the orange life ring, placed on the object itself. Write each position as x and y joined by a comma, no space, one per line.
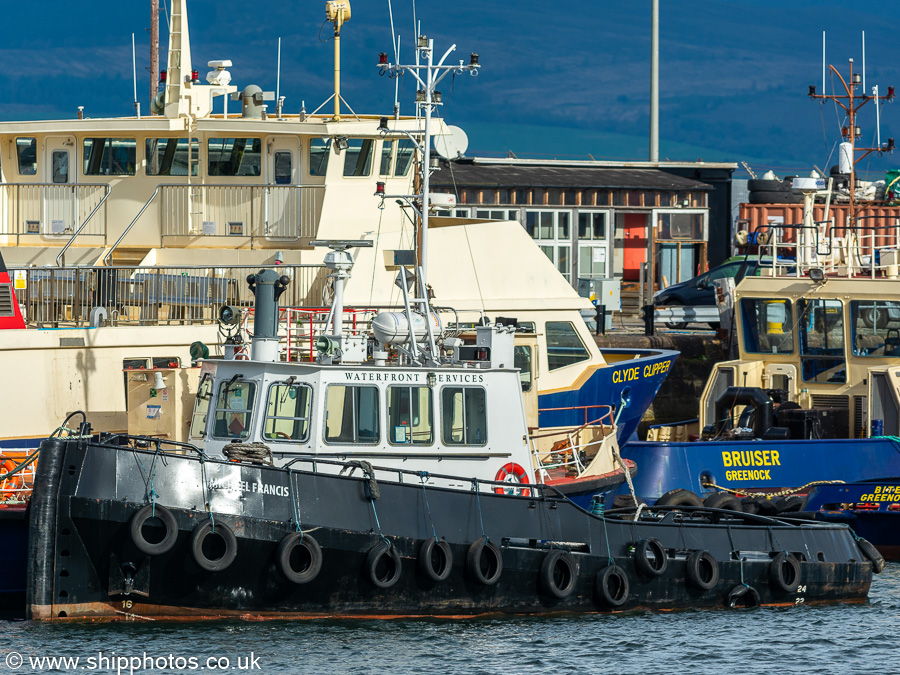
513,474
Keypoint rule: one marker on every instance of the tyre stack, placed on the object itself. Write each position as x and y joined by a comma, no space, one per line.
773,191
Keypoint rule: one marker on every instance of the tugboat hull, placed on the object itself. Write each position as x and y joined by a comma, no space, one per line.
85,562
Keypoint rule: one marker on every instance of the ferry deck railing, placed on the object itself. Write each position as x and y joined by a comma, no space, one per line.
53,210
567,451
142,296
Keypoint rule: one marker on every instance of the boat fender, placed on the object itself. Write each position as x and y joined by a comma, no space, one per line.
140,519
435,558
702,570
201,534
784,572
652,566
484,561
868,550
742,596
382,565
309,556
679,497
612,585
723,500
559,572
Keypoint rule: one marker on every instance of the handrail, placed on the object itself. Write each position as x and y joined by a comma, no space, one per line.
82,226
107,257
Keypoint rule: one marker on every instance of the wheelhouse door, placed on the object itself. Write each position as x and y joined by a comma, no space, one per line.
59,198
282,192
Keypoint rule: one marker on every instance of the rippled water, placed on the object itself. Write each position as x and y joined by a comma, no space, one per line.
833,639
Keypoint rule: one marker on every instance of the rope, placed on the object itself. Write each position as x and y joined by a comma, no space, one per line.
770,495
368,472
478,501
424,476
20,467
292,482
203,477
254,453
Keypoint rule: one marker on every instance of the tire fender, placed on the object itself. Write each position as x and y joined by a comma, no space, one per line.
435,559
871,553
559,572
656,566
679,497
484,561
702,570
204,530
310,548
784,572
387,574
612,585
137,529
742,596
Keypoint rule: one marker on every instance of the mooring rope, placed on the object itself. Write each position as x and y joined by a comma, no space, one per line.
478,501
423,475
770,495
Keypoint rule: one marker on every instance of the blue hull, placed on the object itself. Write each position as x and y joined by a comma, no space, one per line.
638,378
758,465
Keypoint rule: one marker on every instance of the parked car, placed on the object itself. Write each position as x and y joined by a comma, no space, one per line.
700,291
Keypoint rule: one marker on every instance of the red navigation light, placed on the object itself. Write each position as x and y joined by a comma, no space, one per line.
162,76
890,93
379,188
382,59
195,76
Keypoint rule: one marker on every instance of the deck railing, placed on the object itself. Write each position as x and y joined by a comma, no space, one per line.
53,210
136,296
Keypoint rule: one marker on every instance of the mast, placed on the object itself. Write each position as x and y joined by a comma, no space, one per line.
154,47
654,82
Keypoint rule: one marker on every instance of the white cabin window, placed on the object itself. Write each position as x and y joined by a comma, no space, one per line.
201,407
26,152
464,416
172,156
59,161
319,150
358,156
410,416
109,156
405,152
287,412
564,347
283,165
522,360
234,410
234,156
352,415
386,154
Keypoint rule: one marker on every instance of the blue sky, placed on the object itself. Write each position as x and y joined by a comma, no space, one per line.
555,81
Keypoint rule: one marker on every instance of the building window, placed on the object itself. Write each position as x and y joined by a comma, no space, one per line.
551,231
109,156
172,156
497,214
234,410
351,415
287,413
680,226
564,347
410,416
26,151
358,156
234,156
463,416
591,225
319,151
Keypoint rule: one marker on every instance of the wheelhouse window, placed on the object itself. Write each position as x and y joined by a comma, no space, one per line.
319,151
287,412
234,156
822,341
352,415
410,416
109,156
201,407
876,328
172,156
768,325
564,346
463,416
26,153
386,154
522,360
234,410
358,156
405,153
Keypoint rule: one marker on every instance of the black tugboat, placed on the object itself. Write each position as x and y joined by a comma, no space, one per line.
320,490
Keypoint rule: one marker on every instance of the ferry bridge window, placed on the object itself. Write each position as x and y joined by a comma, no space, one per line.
405,152
463,416
351,415
172,156
109,156
319,150
387,151
59,166
26,151
821,332
768,325
234,156
564,347
201,407
283,167
522,361
358,156
287,412
410,416
234,410
876,327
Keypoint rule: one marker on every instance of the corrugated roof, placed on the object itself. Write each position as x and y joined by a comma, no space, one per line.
471,174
